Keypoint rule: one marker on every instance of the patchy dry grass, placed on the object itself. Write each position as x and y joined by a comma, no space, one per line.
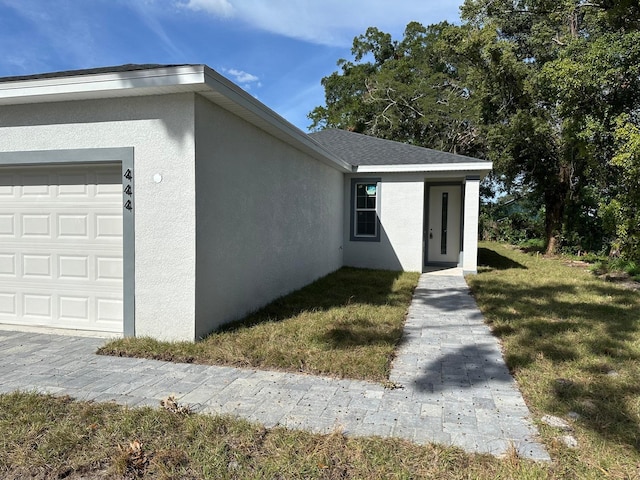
573,344
346,324
44,437
572,341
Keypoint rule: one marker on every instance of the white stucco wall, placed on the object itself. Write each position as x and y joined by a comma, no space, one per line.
401,214
160,129
270,218
470,235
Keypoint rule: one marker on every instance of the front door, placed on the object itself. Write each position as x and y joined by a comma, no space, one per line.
443,224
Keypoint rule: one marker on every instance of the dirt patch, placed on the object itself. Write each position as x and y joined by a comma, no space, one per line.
577,264
621,278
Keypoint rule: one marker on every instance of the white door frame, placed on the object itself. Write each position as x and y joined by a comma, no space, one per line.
124,156
427,190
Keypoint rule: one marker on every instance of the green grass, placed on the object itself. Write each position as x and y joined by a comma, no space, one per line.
571,340
573,344
346,325
44,437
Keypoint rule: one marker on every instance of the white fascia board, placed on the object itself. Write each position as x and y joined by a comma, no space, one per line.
424,167
270,121
99,85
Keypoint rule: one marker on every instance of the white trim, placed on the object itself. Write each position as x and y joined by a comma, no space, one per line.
34,89
425,167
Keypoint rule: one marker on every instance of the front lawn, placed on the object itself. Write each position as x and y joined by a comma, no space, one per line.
346,324
43,437
572,341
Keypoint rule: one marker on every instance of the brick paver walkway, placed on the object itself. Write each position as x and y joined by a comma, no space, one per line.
454,385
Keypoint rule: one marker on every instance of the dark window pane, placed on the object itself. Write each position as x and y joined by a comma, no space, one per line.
371,202
366,195
361,196
445,221
366,223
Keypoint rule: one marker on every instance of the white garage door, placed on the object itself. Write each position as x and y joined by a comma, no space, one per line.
61,247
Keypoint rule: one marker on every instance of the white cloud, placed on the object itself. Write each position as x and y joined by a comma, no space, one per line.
220,8
329,22
242,78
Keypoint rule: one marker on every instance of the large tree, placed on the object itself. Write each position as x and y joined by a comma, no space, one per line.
553,77
407,90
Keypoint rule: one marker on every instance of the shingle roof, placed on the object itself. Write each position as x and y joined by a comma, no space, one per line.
131,67
358,149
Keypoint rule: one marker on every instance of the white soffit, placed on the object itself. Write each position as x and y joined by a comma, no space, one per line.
166,80
482,167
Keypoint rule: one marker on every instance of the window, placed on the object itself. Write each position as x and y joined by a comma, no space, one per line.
364,209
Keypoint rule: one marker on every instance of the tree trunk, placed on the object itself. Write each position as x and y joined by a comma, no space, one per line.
555,200
554,209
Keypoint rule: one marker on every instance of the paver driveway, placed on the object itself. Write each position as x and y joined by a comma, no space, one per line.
454,385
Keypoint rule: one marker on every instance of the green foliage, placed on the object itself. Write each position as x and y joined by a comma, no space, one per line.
410,90
552,78
623,213
514,220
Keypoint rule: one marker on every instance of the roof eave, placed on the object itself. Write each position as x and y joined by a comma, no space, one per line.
481,168
103,85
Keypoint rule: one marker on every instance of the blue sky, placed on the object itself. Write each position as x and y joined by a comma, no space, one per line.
278,50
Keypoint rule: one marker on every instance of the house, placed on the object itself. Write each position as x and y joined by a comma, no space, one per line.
165,201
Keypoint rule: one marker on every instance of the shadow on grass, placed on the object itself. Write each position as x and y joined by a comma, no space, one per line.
355,333
492,260
580,336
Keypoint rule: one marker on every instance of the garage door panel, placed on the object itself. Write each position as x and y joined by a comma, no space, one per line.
73,225
61,247
37,266
108,185
74,187
108,310
109,227
109,268
73,267
37,305
6,190
7,225
7,265
37,186
73,308
8,305
36,225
